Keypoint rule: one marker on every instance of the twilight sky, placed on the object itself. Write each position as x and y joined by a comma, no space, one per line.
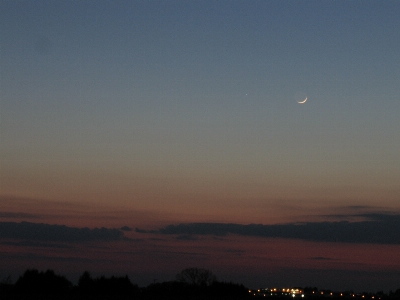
153,113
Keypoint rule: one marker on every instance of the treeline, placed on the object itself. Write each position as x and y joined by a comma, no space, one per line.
191,283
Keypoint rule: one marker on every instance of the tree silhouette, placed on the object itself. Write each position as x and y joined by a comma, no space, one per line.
196,276
106,286
85,282
35,282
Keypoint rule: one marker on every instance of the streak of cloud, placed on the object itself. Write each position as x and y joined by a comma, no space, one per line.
18,215
375,229
59,233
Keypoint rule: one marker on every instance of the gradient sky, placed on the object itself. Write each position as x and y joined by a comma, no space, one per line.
149,113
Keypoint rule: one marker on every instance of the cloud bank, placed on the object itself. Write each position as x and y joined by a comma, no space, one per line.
376,229
56,233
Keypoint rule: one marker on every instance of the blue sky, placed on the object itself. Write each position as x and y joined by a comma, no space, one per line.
203,87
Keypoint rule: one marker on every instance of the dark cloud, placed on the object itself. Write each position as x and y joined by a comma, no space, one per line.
56,233
359,207
126,228
50,258
320,258
357,213
187,237
376,229
235,252
26,243
18,215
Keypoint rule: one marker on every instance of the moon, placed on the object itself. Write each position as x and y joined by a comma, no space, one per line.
301,102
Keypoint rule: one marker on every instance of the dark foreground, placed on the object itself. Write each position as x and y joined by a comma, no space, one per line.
166,290
191,284
34,285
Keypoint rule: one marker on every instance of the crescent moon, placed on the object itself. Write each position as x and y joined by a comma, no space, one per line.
304,101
